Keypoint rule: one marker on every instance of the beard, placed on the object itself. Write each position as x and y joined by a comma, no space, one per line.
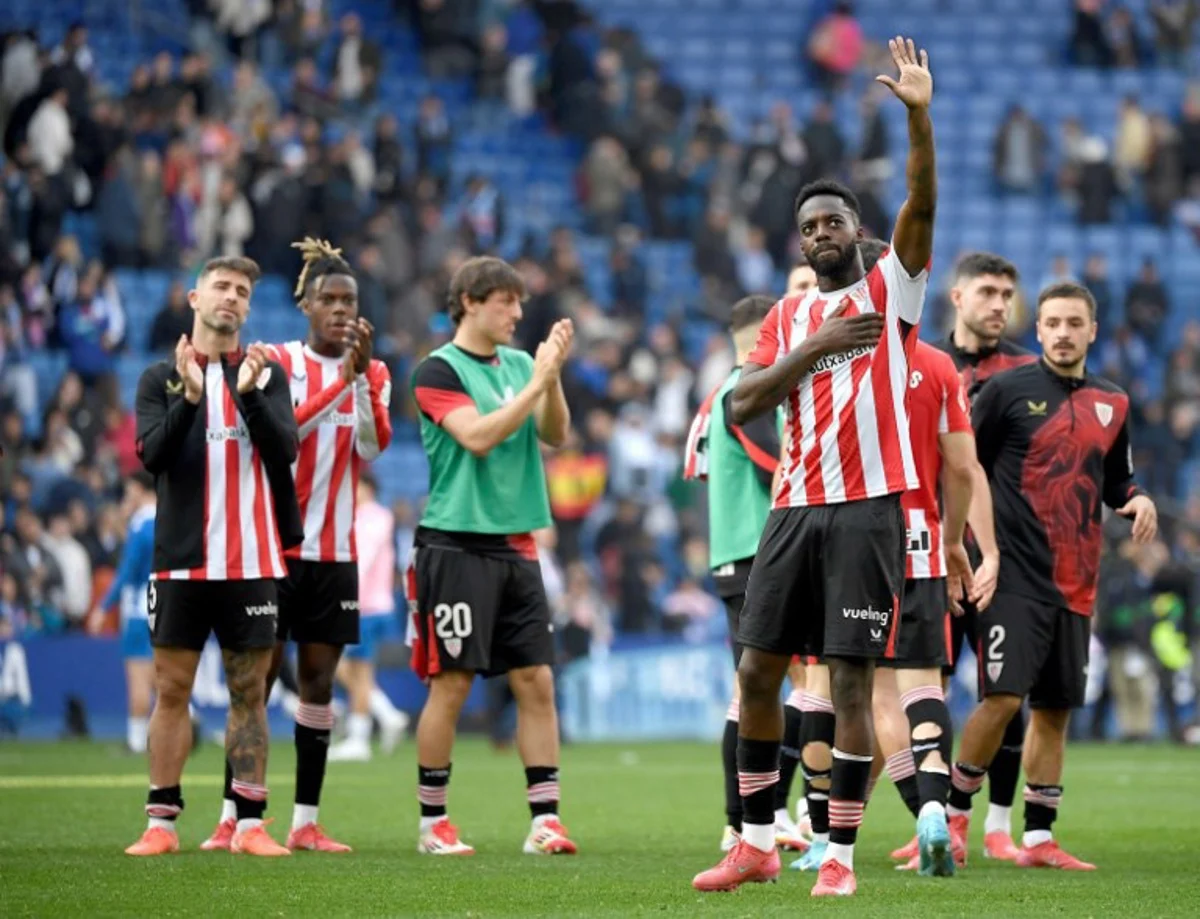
983,333
826,268
221,325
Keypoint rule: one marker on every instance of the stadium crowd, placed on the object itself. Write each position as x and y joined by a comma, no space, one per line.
200,155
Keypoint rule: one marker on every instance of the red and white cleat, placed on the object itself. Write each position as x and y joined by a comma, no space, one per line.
442,839
999,845
913,864
155,841
221,838
743,864
256,841
835,880
312,838
1049,855
960,826
549,838
908,851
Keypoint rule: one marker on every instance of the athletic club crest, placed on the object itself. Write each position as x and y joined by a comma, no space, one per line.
994,669
453,646
1104,412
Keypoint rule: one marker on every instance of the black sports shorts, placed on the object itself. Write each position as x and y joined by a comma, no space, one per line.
828,581
924,626
318,603
1034,649
182,614
479,613
730,581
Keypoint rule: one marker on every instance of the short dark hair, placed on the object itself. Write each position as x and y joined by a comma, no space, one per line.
238,263
477,279
367,477
1066,290
748,311
975,264
143,478
828,187
872,251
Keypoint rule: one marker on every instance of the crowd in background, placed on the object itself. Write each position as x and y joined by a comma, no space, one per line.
200,155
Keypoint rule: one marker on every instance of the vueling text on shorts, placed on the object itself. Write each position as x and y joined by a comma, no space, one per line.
266,609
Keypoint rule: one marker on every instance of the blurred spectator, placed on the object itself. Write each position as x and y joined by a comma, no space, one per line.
357,63
1098,188
586,618
755,269
1146,303
172,320
491,73
1096,278
1128,48
836,45
72,560
1173,23
1090,46
1019,153
482,215
607,181
91,327
1164,173
1134,143
49,134
224,222
434,141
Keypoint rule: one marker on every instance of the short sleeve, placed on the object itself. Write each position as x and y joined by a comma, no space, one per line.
766,349
894,290
955,416
438,389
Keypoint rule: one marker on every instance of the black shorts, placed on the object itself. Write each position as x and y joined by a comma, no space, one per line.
964,631
828,581
924,626
318,603
1028,648
182,614
730,581
478,613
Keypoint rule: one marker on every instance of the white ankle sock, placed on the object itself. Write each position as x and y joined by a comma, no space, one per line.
228,810
161,824
303,815
428,822
248,824
136,731
999,819
381,706
838,852
1036,838
358,729
782,815
953,811
931,807
759,835
543,818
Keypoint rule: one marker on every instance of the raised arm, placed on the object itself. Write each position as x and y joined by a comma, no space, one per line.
913,234
552,415
165,411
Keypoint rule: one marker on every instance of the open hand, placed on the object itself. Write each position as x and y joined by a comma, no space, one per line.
1145,518
562,336
840,333
252,367
915,86
189,370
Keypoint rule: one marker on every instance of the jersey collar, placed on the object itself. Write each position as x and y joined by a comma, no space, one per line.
1070,384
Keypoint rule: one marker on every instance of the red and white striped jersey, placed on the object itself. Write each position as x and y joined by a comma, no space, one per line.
846,434
241,537
341,427
937,404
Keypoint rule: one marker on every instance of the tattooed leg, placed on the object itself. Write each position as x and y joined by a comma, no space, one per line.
246,734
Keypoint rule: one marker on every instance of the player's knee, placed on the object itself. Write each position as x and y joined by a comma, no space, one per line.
1003,705
246,691
927,730
450,689
755,682
172,687
533,686
851,688
1050,720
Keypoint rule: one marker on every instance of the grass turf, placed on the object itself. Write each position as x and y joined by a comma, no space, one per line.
646,817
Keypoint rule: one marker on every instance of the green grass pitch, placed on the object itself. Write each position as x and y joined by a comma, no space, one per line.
646,817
